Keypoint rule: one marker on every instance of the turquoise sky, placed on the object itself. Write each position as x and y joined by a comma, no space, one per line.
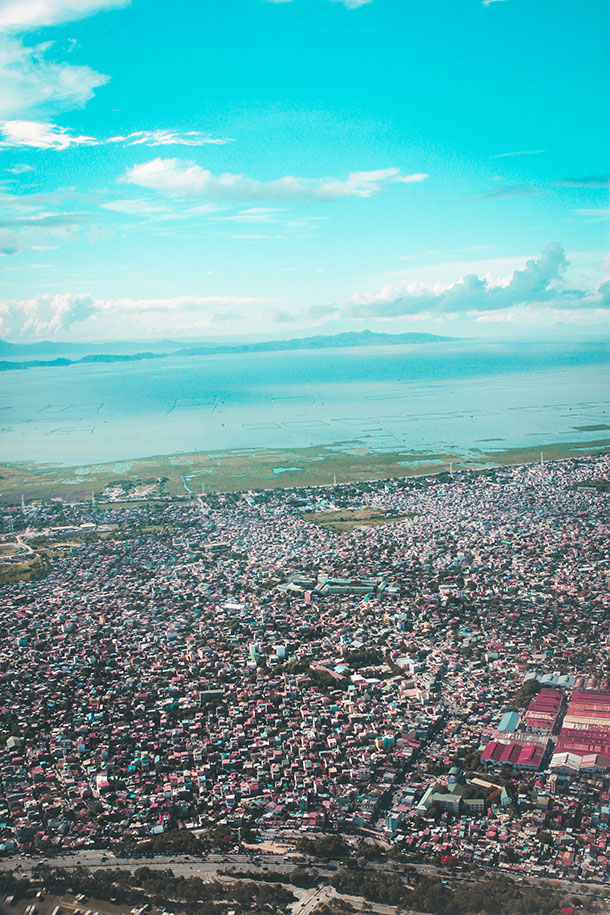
234,167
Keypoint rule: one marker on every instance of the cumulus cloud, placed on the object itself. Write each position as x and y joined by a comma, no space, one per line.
44,315
22,15
53,315
187,179
539,281
31,82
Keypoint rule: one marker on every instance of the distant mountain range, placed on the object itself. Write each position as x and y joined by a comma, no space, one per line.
99,352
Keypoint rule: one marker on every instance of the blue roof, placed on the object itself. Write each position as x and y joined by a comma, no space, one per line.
509,722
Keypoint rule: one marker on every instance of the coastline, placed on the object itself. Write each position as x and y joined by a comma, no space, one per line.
185,474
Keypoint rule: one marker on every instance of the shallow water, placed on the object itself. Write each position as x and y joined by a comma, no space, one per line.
426,397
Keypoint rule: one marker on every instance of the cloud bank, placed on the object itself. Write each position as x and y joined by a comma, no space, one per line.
50,316
187,179
536,289
539,281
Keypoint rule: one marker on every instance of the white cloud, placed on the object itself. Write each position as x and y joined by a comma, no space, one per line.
541,280
169,138
353,4
45,135
254,214
30,82
186,179
40,135
350,4
138,207
54,315
159,210
522,152
21,15
44,315
415,178
20,169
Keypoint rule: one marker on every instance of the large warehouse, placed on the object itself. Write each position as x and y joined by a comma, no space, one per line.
584,739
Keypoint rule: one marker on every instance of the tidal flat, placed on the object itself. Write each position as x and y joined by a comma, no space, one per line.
188,475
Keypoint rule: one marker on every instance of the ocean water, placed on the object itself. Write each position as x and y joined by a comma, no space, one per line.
460,396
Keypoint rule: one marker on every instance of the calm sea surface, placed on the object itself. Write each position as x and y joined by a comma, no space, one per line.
432,396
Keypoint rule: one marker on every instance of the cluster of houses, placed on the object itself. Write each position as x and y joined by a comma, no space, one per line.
441,680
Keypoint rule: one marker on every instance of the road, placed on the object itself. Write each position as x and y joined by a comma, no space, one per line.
209,866
182,865
322,894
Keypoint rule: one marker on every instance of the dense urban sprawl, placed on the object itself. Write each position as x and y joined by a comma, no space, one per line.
440,682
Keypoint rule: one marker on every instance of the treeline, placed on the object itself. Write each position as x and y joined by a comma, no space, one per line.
325,848
300,876
492,896
374,885
184,842
175,842
159,886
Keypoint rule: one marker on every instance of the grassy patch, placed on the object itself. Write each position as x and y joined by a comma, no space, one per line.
33,568
231,471
8,549
346,519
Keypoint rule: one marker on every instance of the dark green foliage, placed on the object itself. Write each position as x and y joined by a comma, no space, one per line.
365,657
326,848
525,694
297,877
178,842
374,885
496,896
159,886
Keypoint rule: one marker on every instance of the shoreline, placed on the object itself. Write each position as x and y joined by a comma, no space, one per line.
185,474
